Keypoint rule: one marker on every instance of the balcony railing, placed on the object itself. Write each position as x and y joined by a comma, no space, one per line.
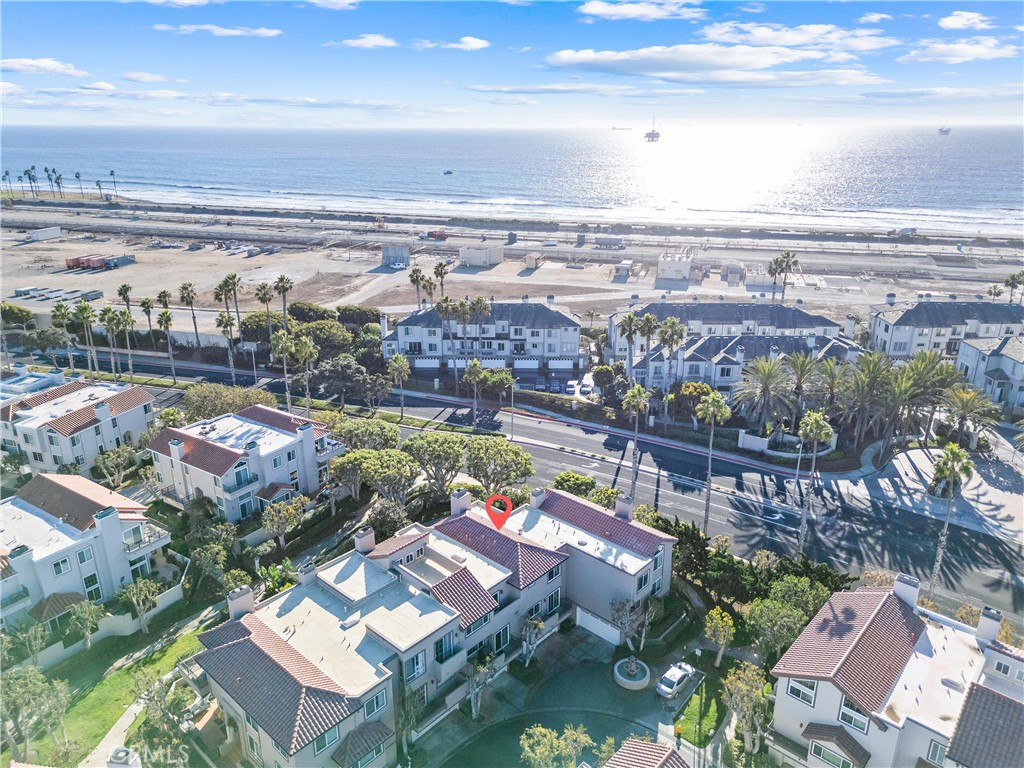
14,597
151,534
252,479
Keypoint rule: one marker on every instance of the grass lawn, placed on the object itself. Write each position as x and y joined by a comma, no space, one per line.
712,714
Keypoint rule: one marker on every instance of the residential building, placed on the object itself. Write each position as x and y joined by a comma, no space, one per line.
66,539
996,367
520,335
902,329
74,422
874,680
635,753
244,461
18,381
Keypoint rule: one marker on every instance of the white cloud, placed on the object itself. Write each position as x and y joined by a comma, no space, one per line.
641,11
466,43
946,94
99,85
966,20
41,67
366,40
560,88
182,3
827,36
874,18
509,101
523,49
163,93
9,89
237,99
144,77
216,31
335,5
961,51
754,8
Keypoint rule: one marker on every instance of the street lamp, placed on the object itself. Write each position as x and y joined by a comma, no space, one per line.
252,351
512,419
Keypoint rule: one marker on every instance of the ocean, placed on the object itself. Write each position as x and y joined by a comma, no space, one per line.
835,178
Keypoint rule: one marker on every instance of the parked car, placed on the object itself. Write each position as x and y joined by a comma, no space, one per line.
555,387
674,679
571,387
540,386
586,389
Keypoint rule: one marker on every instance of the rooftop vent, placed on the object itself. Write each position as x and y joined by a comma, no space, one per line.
459,558
350,621
956,685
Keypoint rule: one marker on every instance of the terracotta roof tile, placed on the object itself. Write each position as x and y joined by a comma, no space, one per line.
860,641
287,695
838,735
388,547
645,754
82,418
1007,650
287,422
46,396
989,732
527,561
597,520
268,492
74,499
199,453
360,741
52,606
466,595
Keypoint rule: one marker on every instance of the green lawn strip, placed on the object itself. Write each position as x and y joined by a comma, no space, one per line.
714,710
154,381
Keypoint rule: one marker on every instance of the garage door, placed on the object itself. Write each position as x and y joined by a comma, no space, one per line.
598,626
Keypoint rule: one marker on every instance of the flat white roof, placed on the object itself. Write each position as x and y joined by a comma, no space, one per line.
234,432
54,409
552,532
445,556
23,523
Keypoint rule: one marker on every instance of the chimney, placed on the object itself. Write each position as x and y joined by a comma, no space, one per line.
849,325
251,446
952,297
907,588
177,448
664,298
927,297
307,573
740,351
537,496
383,325
761,299
634,299
460,502
526,298
721,297
988,624
365,541
423,303
811,341
890,299
624,507
978,297
773,352
240,602
102,410
551,299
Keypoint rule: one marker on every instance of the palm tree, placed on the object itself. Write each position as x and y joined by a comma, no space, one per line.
416,277
833,383
869,382
788,262
86,316
223,293
59,181
897,406
233,283
628,329
306,353
647,328
814,428
265,295
803,372
60,316
282,285
187,296
281,345
712,409
766,391
462,312
774,270
440,272
7,177
481,310
592,314
113,178
994,291
966,405
953,468
933,376
445,309
429,286
78,176
147,305
635,402
126,323
1013,282
99,186
399,371
21,180
108,318
164,322
671,335
226,325
124,293
474,376
163,298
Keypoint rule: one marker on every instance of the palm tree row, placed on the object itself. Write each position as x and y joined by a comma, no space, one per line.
55,180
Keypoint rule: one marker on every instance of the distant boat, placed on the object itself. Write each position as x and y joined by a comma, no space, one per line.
653,134
945,130
448,173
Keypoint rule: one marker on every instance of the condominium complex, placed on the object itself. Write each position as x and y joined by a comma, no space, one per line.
995,367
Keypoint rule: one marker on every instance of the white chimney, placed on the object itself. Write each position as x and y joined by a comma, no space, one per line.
740,351
811,341
907,589
988,624
890,299
761,298
460,502
526,298
537,496
307,573
773,352
849,325
365,541
634,299
624,507
177,448
551,298
240,602
383,325
102,410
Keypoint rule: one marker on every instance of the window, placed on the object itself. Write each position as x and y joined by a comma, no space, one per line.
280,749
252,722
1020,675
1002,668
726,371
554,573
444,648
936,753
76,440
92,587
693,369
133,536
377,703
278,461
85,556
291,455
534,610
97,431
61,567
160,478
477,624
803,690
419,552
659,557
850,714
113,423
368,757
37,457
324,740
414,667
51,438
830,757
656,589
254,750
643,580
474,650
501,638
554,600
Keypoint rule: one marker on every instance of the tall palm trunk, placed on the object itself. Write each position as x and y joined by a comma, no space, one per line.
270,330
170,356
238,316
284,309
307,377
937,568
287,386
636,455
231,360
805,511
707,494
128,349
195,325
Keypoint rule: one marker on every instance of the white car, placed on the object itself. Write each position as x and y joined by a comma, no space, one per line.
674,679
586,389
571,387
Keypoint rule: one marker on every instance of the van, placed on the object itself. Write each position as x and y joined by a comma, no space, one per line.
550,243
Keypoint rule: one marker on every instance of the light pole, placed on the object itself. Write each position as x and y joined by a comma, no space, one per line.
512,419
252,351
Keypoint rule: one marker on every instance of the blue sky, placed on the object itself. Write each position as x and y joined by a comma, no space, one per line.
341,63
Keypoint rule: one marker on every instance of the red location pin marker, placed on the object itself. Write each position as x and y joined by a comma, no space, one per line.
499,517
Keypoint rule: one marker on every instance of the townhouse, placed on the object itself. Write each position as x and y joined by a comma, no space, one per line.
995,367
72,423
525,335
18,381
902,329
874,680
66,539
635,753
243,462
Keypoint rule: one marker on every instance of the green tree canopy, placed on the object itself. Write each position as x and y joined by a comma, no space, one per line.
497,463
574,483
207,401
440,455
392,474
375,434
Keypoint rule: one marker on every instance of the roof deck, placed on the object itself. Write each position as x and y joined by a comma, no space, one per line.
239,434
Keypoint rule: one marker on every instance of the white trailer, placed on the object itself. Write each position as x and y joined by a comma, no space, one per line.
48,233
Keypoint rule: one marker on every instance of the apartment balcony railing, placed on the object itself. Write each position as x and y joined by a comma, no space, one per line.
331,448
786,744
13,598
252,479
152,534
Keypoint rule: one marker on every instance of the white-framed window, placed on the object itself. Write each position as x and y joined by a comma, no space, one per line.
278,461
414,667
61,567
1002,668
280,749
475,649
659,558
851,714
936,753
377,703
252,722
830,757
325,739
291,455
369,756
643,580
409,557
803,690
84,556
160,478
51,439
1020,675
501,638
76,440
254,749
444,648
534,610
554,600
656,589
554,573
419,552
91,583
477,624
133,536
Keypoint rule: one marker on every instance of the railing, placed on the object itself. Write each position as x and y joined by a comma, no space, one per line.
14,597
251,480
150,535
170,493
787,744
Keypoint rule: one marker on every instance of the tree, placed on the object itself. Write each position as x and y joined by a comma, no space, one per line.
164,322
347,470
629,329
952,469
114,463
774,269
441,272
265,295
331,337
814,428
283,516
475,376
306,353
60,316
800,592
712,410
531,634
408,716
603,376
374,389
1013,282
392,474
11,463
719,629
124,293
416,278
540,747
484,672
47,340
282,285
496,463
967,406
691,557
147,305
788,262
604,496
765,392
605,752
208,560
440,455
574,740
399,372
52,707
226,325
671,334
113,179
375,434
339,377
635,402
32,637
85,618
141,596
994,291
627,615
109,320
22,688
85,316
804,376
233,285
645,514
968,614
163,298
357,315
387,518
187,295
207,401
744,692
574,483
126,324
775,624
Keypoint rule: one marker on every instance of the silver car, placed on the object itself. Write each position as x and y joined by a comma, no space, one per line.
674,679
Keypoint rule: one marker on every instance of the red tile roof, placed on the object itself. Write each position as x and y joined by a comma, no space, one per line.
199,453
57,604
466,595
268,492
527,561
989,731
599,521
859,641
288,422
635,753
46,396
290,698
84,417
838,735
388,547
74,499
1007,650
360,741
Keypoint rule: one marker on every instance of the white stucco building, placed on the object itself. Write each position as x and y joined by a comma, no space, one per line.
996,367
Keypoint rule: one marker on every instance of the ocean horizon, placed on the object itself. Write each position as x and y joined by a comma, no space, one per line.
808,177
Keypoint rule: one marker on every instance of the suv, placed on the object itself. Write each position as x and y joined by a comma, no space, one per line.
540,386
555,387
572,387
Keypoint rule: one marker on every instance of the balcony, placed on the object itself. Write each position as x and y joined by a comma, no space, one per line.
787,745
13,598
445,669
251,479
330,449
152,536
